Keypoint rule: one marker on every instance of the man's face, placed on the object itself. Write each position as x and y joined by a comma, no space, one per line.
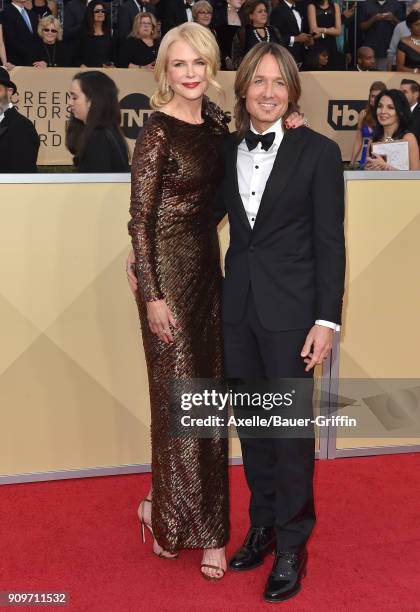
267,98
5,95
412,96
367,60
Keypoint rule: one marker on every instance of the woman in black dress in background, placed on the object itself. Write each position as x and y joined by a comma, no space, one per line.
408,51
140,48
97,45
226,21
255,30
324,20
93,135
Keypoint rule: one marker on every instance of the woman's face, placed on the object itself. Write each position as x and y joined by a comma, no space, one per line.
49,34
259,16
323,58
386,113
204,17
145,28
373,95
79,104
99,13
415,29
186,71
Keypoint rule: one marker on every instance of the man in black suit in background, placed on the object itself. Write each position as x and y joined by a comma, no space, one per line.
19,141
292,23
282,295
127,11
173,13
20,33
411,90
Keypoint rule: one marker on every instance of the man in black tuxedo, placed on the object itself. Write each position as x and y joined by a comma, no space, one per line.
20,33
173,13
19,141
128,10
411,90
282,295
292,23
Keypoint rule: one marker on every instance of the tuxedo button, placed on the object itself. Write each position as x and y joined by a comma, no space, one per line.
252,192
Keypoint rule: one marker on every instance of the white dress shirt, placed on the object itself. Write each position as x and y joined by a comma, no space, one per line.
189,13
413,107
254,169
298,19
2,114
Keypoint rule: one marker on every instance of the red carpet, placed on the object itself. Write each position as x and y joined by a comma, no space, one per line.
82,536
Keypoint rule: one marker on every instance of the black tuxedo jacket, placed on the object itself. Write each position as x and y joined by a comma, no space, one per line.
293,259
19,42
283,19
415,122
19,143
172,13
128,10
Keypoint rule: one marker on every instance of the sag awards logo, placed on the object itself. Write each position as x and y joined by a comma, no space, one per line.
135,110
344,114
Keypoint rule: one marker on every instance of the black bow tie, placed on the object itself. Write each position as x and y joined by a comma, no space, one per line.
266,140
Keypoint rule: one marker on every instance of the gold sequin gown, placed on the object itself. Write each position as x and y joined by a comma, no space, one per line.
176,169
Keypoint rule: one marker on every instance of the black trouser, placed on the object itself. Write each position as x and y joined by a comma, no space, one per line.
279,470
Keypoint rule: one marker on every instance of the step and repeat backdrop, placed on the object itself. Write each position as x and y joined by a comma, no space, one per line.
331,102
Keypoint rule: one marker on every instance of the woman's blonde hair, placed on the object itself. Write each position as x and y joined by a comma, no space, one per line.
200,5
202,41
136,23
246,71
47,21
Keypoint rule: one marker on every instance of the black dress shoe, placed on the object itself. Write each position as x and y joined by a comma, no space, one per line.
259,542
284,580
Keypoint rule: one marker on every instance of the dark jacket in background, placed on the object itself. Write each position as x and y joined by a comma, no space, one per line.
104,152
19,42
415,122
172,13
284,20
19,143
74,16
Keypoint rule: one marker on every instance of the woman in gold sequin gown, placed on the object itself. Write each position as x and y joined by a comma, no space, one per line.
177,166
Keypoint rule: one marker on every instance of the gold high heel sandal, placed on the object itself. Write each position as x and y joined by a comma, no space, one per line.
143,523
216,567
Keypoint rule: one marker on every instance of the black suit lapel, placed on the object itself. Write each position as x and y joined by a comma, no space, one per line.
233,195
3,129
283,169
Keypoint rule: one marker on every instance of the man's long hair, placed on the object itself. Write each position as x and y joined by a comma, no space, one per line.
246,71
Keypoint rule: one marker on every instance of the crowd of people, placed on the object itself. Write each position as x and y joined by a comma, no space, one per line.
320,34
31,34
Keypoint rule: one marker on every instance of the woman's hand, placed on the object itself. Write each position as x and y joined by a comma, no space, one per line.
160,318
40,65
130,266
376,163
295,120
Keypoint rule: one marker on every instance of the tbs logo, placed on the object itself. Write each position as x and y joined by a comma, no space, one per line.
344,114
